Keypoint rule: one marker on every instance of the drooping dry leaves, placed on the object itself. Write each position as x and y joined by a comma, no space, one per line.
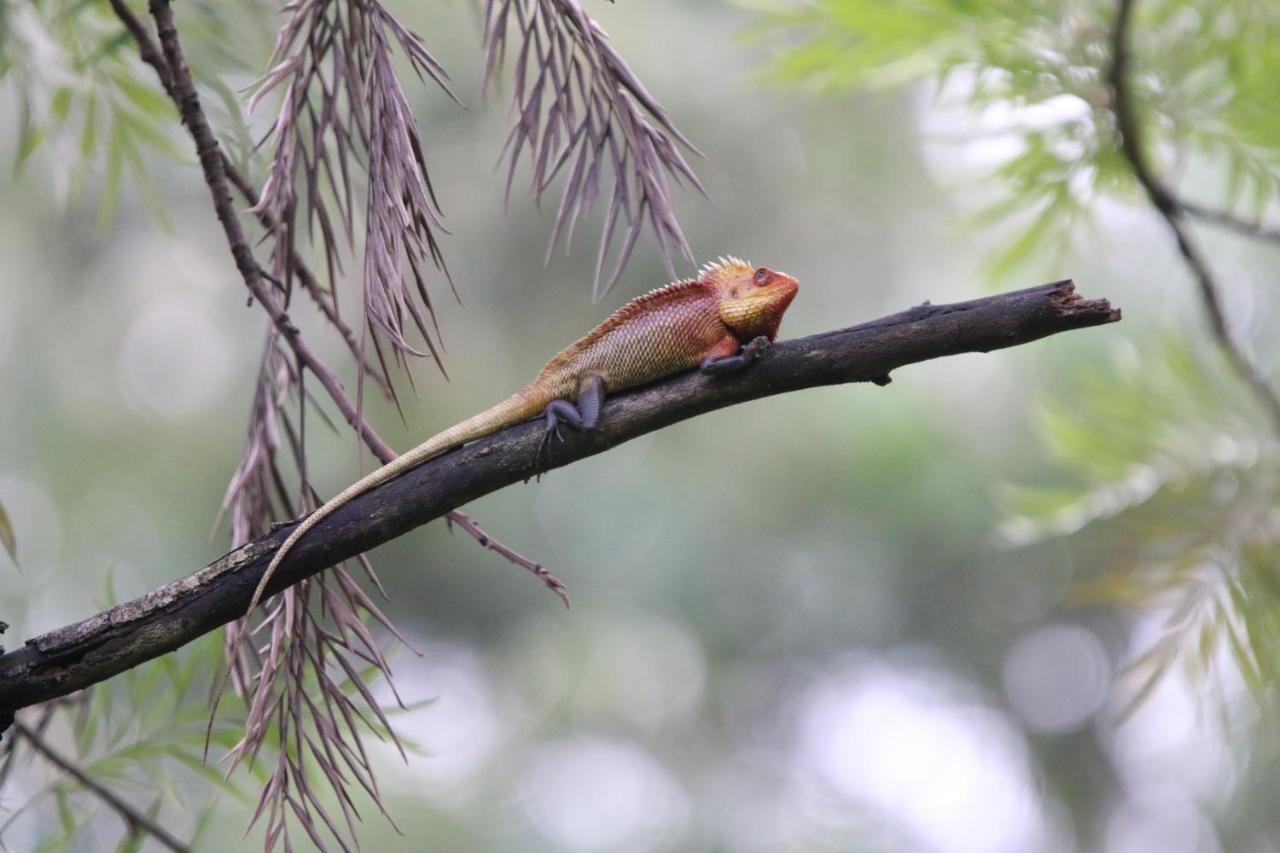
579,109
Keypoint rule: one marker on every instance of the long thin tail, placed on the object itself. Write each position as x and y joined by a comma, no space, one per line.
518,407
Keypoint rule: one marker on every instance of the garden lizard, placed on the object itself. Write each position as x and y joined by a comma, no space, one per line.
718,322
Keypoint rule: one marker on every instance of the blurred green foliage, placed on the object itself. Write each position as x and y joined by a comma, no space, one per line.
1164,461
143,732
1205,87
82,90
147,733
1159,451
76,72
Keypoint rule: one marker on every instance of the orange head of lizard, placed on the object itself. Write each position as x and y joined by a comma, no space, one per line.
752,299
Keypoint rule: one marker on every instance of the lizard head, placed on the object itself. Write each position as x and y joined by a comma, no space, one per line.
752,299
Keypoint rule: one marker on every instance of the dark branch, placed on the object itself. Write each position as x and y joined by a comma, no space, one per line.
1133,147
136,822
128,634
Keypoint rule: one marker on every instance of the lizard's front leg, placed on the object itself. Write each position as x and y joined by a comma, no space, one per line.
714,365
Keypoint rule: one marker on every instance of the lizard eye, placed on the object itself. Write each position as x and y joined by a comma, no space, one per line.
762,275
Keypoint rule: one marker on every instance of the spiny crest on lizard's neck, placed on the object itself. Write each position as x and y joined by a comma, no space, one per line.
724,269
716,273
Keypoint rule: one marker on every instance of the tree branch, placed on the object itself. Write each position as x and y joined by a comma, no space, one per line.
1174,213
128,634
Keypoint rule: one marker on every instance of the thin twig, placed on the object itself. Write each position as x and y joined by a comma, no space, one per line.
1132,147
134,820
11,748
1230,221
469,524
130,633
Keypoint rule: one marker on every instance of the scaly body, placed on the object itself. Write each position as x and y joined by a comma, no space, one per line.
719,322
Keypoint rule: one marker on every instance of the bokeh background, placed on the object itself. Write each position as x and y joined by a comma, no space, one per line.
798,624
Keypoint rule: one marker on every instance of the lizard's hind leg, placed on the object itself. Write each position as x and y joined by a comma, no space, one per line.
582,417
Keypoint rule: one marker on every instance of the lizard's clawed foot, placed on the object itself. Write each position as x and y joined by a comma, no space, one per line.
746,355
550,435
544,450
756,347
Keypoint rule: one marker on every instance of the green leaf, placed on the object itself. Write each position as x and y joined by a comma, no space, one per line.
32,137
89,131
61,103
7,538
211,775
131,843
231,106
66,816
1157,663
150,101
110,200
111,45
